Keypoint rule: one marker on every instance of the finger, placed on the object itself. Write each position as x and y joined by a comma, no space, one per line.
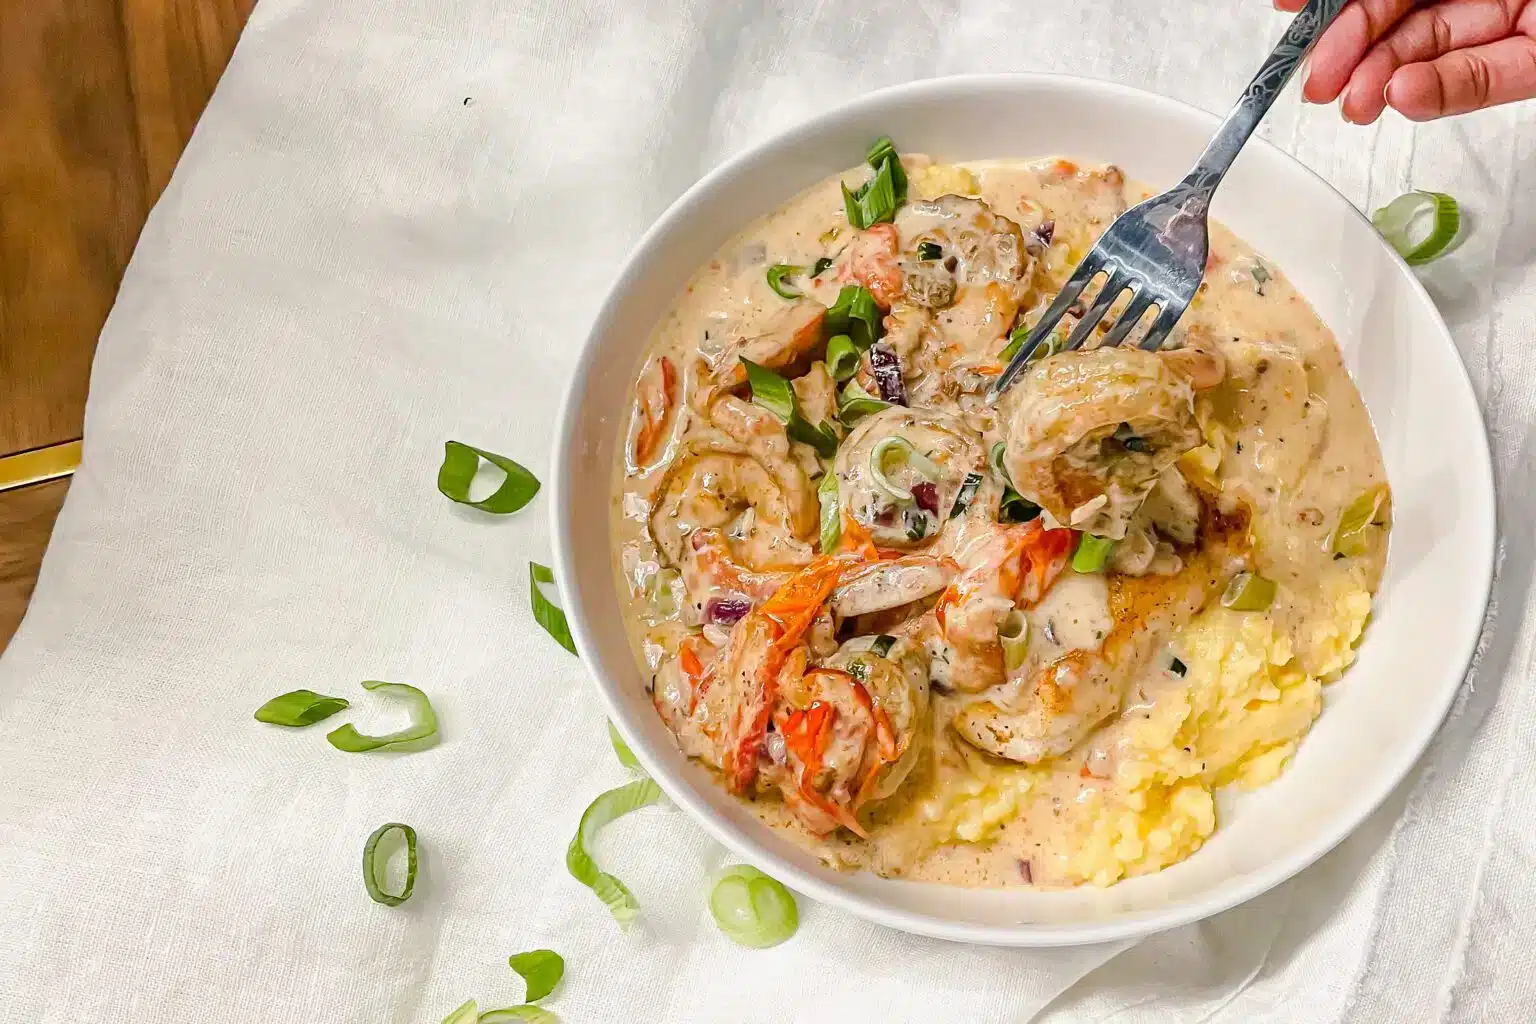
1422,36
1345,42
1464,80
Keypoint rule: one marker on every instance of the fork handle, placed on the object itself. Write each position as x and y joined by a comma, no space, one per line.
1256,100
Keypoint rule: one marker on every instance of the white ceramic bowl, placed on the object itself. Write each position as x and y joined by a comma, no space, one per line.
1377,719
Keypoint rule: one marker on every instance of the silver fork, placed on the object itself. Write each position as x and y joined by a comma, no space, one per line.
1157,249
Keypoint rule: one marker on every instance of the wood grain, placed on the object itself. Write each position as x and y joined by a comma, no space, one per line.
26,521
97,100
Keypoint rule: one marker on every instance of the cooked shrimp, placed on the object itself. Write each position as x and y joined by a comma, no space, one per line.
1032,719
1092,431
891,583
1005,566
871,261
724,487
787,335
654,404
950,451
851,731
730,701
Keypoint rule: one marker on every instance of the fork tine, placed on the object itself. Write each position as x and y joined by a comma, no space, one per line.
1129,319
1167,316
1118,281
1085,272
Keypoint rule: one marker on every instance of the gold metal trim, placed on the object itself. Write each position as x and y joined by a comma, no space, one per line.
38,465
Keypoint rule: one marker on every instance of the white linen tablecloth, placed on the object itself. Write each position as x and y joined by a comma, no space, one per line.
390,229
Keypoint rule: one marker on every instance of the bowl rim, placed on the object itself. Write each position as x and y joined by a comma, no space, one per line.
1113,928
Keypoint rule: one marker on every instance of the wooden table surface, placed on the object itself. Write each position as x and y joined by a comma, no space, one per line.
97,99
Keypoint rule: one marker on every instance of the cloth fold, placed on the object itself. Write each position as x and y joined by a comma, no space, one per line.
389,230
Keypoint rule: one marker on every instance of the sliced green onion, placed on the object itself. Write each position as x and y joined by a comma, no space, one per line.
661,590
771,391
1046,346
821,264
465,1014
578,859
842,357
626,758
1401,219
540,969
752,909
966,495
894,451
1261,276
545,612
995,460
1015,508
519,1014
775,394
1350,537
882,645
1178,667
776,279
419,733
1248,592
856,314
460,464
875,201
855,403
1092,553
831,512
821,436
930,251
299,708
374,865
883,150
1014,633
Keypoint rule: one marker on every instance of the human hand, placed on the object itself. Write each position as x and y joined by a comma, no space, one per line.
1424,58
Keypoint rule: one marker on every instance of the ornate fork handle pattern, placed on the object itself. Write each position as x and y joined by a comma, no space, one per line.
1198,186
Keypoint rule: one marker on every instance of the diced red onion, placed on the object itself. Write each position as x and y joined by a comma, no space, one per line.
926,495
1045,232
725,611
1027,871
886,368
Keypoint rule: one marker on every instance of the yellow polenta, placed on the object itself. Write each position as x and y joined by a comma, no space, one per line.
1243,706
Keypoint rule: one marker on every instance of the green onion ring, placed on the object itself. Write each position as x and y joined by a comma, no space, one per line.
1092,554
831,512
540,969
1015,508
1349,536
465,1014
373,865
967,494
520,1014
606,808
776,275
1249,592
460,464
842,357
854,403
545,612
898,449
752,909
776,394
995,460
420,733
299,708
881,647
1396,222
1014,634
626,758
856,314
